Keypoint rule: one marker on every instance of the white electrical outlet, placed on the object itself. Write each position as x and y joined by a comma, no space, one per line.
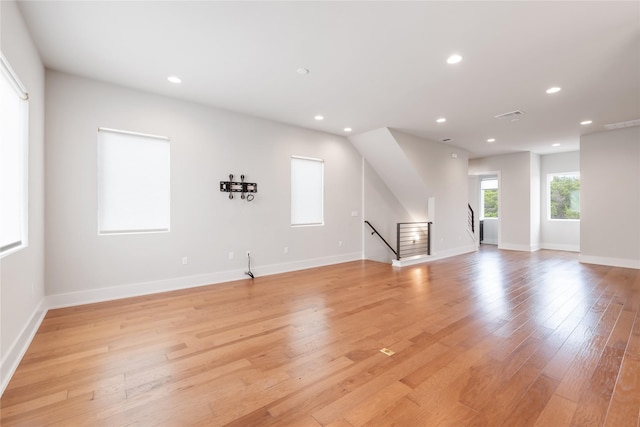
185,260
354,213
340,244
286,250
230,255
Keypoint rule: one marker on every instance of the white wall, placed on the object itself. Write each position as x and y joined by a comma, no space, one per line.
534,202
490,231
22,273
557,234
206,146
447,180
515,197
383,153
383,210
610,197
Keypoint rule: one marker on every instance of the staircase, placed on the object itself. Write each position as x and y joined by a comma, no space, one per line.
391,163
413,242
414,171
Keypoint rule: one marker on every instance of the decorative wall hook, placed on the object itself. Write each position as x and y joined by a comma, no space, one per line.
245,188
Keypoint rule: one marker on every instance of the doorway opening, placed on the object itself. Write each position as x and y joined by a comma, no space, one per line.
489,208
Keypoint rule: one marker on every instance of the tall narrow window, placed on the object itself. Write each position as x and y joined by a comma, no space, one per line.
133,182
489,198
307,191
564,195
14,155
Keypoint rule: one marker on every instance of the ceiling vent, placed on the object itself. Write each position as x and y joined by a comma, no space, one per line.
510,115
623,124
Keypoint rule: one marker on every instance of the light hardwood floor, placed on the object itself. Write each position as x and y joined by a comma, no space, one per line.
495,338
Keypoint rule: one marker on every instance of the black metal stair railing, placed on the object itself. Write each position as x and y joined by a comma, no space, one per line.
412,239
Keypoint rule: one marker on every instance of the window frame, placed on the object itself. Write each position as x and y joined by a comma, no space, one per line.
307,224
16,84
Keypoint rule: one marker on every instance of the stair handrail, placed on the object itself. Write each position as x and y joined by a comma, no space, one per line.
379,235
472,219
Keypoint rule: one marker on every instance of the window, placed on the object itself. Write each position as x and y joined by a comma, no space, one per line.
307,191
489,198
14,155
564,195
133,182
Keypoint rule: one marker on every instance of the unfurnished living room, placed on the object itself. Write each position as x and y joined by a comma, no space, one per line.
320,213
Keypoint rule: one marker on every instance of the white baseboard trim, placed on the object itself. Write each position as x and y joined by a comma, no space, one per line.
13,355
518,247
613,262
557,247
91,296
379,257
454,252
411,261
434,257
268,270
177,283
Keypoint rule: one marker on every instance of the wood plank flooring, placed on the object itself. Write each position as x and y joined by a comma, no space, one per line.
495,338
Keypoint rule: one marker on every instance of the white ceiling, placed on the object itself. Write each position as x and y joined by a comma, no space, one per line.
372,64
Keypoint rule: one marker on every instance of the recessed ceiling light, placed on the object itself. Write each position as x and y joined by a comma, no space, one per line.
348,129
174,79
302,71
319,117
586,122
555,145
554,89
454,59
490,140
441,120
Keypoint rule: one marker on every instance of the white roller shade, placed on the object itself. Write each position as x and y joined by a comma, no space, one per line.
307,191
133,182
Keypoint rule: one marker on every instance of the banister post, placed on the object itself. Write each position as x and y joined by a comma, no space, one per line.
398,240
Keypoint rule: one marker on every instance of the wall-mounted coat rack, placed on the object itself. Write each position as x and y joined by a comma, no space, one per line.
246,188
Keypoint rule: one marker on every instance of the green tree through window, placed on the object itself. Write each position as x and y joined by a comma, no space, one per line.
564,196
489,198
491,203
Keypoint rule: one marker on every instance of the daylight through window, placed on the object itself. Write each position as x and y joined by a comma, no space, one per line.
489,198
564,195
14,142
